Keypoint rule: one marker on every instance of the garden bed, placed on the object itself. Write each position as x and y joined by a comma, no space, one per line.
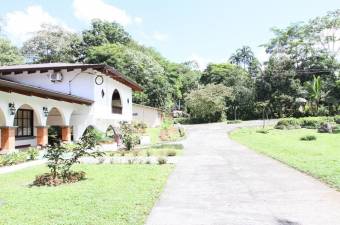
111,194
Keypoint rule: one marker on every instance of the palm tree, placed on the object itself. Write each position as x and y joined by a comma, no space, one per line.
247,56
235,59
316,90
316,93
243,56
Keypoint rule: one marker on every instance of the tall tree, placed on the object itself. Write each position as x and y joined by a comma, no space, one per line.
208,103
9,54
50,44
100,33
245,58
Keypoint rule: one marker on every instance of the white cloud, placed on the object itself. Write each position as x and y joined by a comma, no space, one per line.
159,36
201,61
261,55
87,10
19,25
138,20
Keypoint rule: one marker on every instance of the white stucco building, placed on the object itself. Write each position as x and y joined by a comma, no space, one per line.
70,96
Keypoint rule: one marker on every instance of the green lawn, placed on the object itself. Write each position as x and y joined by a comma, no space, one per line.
154,134
319,158
112,194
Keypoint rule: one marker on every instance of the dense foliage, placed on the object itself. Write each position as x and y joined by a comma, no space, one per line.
300,78
208,103
9,54
51,44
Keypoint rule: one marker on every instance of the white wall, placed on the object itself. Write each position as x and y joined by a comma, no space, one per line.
102,106
74,82
82,84
151,116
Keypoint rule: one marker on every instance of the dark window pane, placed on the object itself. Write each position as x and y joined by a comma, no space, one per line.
24,121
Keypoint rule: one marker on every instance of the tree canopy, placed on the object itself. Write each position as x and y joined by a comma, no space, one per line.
303,68
50,44
9,54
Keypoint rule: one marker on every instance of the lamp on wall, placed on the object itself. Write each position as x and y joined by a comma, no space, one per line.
45,111
12,109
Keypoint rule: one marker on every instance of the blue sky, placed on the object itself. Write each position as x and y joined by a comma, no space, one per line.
207,31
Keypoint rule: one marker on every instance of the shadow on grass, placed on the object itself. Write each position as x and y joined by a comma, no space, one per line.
168,146
286,222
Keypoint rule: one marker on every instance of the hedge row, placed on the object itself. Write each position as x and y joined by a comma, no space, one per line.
18,157
305,122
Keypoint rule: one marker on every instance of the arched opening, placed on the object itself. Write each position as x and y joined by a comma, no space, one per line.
88,129
55,118
25,121
55,121
117,107
110,133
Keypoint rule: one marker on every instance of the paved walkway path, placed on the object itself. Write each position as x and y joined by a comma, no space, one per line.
220,182
14,168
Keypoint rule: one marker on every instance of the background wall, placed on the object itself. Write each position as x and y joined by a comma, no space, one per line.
151,116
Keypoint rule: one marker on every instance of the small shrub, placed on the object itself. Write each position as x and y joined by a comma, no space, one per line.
147,162
161,160
148,153
74,176
314,122
325,128
171,152
280,127
130,136
122,153
33,153
233,121
106,140
263,131
288,123
322,111
308,138
101,160
336,129
337,119
135,153
167,123
182,120
14,158
140,127
69,146
2,161
60,167
181,131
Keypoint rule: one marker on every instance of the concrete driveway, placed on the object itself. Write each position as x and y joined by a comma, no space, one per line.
220,182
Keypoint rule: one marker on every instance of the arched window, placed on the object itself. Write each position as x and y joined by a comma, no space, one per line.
25,119
117,107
